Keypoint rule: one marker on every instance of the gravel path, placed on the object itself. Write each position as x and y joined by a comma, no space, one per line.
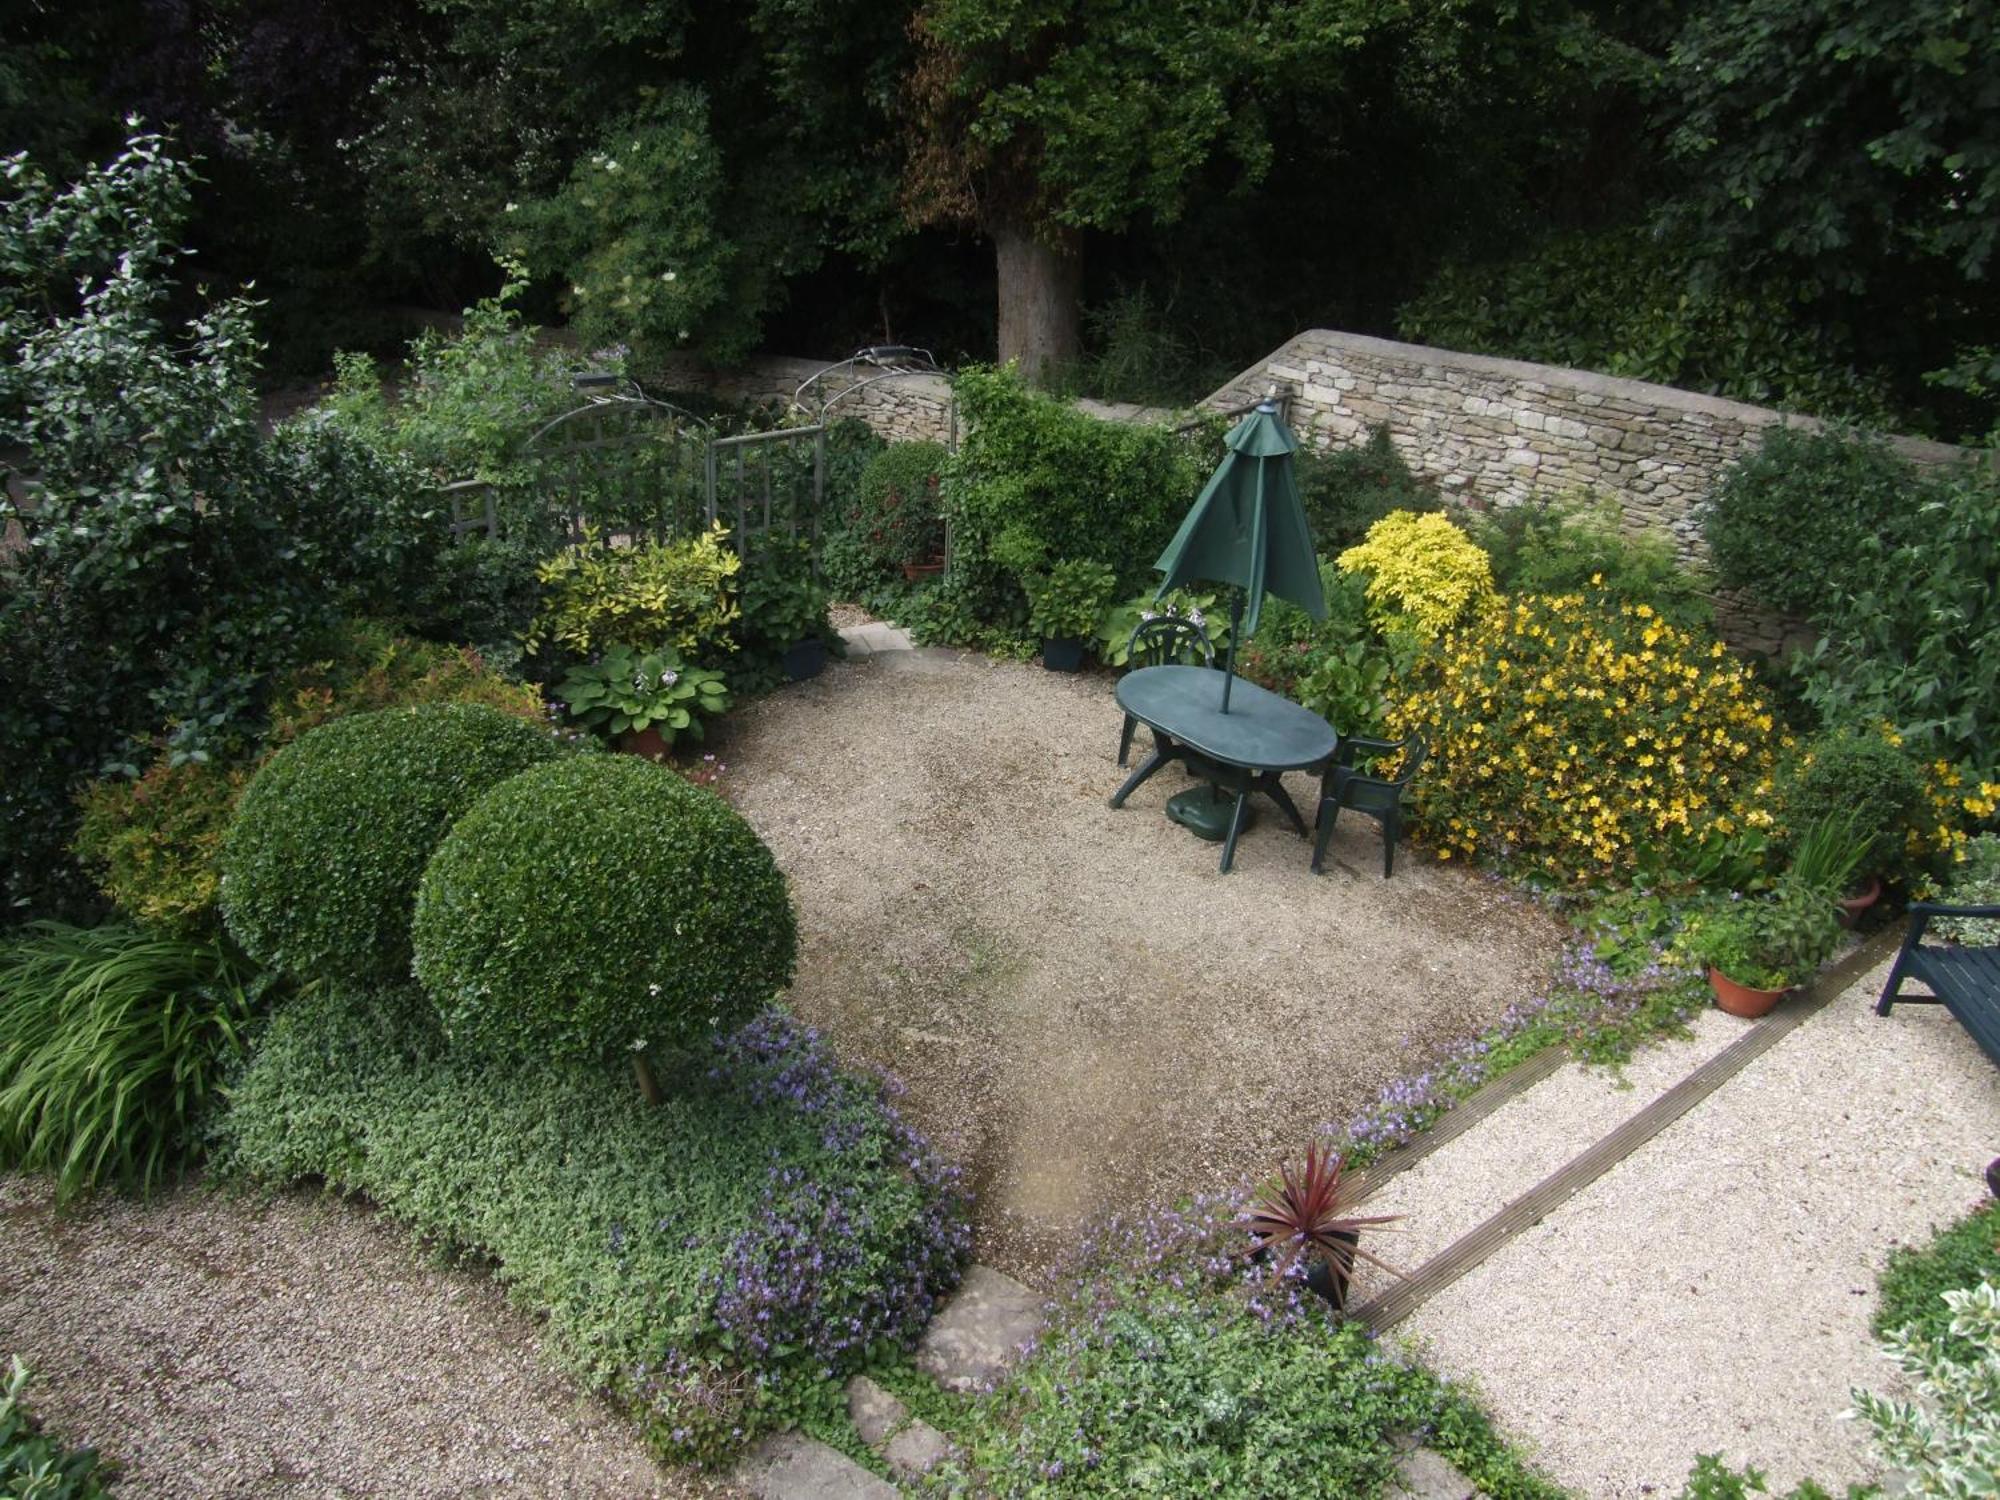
1712,1292
1088,1015
218,1346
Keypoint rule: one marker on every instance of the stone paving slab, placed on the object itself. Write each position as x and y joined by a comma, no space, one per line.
974,1341
792,1466
875,638
910,1446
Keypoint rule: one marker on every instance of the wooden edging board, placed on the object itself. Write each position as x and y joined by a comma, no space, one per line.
1442,1269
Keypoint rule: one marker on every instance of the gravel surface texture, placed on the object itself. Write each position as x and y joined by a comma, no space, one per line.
1712,1292
212,1345
1087,1015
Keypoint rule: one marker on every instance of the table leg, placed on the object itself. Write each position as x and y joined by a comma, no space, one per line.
1273,786
1160,756
1235,828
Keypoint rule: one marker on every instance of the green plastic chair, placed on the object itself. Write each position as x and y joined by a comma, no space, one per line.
1342,785
1159,642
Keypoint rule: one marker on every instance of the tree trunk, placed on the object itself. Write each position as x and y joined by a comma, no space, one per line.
1041,300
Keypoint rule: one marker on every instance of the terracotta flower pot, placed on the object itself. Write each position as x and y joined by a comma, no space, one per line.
1740,999
647,743
912,571
1851,907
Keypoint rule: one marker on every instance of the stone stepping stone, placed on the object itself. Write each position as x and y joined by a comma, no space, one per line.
792,1466
874,639
910,1446
1426,1474
979,1335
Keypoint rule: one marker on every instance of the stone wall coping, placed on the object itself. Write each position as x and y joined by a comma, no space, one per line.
1661,397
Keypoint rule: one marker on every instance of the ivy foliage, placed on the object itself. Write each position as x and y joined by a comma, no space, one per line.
1036,482
1624,302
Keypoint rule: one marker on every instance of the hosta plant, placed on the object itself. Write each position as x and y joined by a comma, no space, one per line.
1114,636
625,690
1308,1215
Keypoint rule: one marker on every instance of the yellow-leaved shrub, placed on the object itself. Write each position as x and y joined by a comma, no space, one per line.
1424,574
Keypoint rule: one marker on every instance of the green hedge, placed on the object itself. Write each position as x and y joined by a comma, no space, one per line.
601,902
320,868
1035,482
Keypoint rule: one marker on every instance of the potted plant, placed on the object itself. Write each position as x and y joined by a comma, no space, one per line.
784,608
900,516
1827,857
643,700
1758,949
1865,774
1308,1216
1065,605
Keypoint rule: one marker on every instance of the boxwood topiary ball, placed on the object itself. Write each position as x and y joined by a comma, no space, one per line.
601,902
320,866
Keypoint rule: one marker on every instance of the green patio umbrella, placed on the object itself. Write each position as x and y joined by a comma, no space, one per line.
1248,529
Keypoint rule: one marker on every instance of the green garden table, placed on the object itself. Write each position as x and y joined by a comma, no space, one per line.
1245,750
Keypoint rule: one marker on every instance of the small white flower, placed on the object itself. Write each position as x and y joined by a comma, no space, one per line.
1147,614
611,166
653,990
638,1044
1195,617
669,678
512,207
577,290
667,275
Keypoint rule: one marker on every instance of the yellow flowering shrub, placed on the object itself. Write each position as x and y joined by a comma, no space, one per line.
1578,736
1423,572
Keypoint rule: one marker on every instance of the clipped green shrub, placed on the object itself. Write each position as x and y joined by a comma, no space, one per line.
113,1042
1857,771
1346,491
710,1261
320,868
601,903
1800,522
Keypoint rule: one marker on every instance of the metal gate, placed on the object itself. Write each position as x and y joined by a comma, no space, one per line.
630,468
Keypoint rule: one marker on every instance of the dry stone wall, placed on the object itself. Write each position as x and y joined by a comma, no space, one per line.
1492,432
906,408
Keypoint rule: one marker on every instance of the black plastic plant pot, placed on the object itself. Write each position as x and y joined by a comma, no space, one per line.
806,659
1062,653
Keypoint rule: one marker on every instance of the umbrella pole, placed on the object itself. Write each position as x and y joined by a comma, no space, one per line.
1229,660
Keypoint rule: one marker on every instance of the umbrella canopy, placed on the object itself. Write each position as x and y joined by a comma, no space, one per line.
1248,528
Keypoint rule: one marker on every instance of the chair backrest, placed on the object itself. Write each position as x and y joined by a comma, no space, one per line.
1169,638
1371,794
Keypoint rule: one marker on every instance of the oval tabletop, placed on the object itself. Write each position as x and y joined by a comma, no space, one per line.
1261,731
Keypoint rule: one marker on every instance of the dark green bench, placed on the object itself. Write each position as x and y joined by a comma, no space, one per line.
1965,981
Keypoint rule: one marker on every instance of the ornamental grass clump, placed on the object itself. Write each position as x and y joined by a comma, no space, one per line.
1574,737
320,868
601,904
1424,574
